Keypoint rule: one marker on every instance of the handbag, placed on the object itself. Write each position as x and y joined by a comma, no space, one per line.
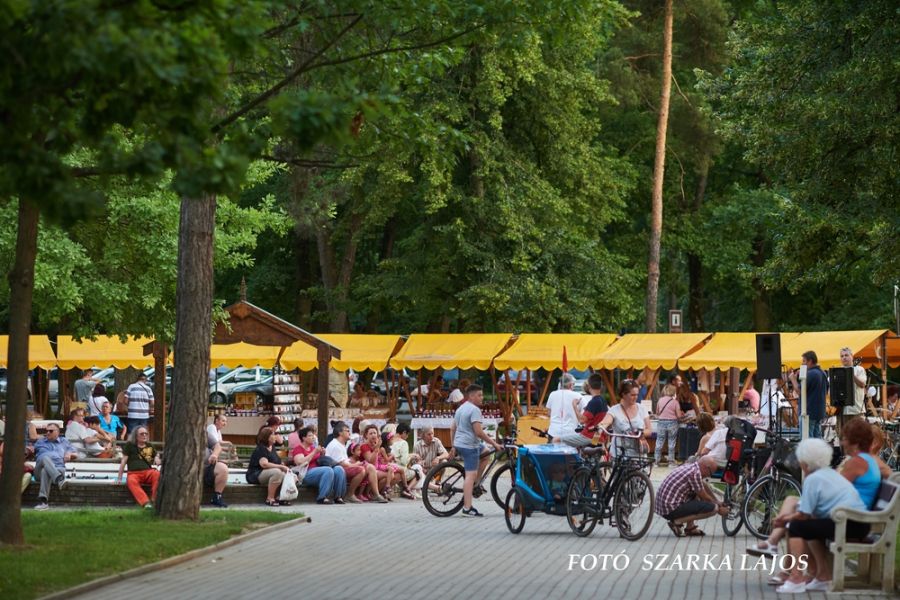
289,489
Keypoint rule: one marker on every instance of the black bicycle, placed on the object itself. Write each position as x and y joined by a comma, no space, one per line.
778,480
442,490
618,491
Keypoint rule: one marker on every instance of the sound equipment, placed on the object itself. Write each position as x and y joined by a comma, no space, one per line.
688,442
768,356
840,383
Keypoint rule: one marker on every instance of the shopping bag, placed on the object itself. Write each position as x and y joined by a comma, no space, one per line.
289,490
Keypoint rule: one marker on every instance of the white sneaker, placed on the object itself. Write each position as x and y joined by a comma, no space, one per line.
789,587
818,586
42,506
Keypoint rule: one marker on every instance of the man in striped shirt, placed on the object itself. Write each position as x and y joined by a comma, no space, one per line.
683,497
140,403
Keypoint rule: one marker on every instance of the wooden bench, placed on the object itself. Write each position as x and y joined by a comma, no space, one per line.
876,552
104,493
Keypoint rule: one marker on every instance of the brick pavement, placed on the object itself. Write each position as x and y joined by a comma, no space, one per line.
355,551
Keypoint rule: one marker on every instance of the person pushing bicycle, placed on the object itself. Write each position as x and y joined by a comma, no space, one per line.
466,432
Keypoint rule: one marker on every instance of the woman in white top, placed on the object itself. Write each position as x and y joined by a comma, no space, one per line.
628,417
98,397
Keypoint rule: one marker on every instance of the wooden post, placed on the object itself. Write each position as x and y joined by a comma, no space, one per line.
528,389
544,390
884,368
404,385
64,398
610,385
323,355
392,400
159,391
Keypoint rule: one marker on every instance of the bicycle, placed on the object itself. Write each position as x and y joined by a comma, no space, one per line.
621,496
442,490
765,496
890,453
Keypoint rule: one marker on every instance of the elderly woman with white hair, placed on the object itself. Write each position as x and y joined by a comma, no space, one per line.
824,489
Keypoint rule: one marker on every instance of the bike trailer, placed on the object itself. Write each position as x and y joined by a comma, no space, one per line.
543,473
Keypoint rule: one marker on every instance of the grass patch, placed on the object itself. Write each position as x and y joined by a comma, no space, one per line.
66,548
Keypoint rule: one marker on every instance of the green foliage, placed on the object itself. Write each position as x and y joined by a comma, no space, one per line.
74,544
811,97
116,272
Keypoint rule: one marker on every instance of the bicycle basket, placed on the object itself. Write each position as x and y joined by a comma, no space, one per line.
785,458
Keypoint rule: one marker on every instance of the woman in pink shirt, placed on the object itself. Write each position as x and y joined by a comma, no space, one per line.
668,412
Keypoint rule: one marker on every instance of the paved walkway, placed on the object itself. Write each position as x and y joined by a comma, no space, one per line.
399,549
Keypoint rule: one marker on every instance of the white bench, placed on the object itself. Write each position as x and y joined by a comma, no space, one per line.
876,552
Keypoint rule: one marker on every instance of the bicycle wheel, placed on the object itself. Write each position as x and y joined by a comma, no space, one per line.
763,501
633,505
442,491
502,481
582,501
734,499
514,511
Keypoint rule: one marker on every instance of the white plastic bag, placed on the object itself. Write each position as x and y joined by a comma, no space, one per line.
289,489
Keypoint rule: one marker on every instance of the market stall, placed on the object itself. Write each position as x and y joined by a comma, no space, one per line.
40,359
438,351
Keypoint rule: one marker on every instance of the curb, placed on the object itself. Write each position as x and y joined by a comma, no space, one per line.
92,585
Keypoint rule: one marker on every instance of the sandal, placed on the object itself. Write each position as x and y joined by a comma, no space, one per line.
676,528
271,502
693,532
407,494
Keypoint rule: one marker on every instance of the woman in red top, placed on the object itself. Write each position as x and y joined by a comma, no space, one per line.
371,454
331,482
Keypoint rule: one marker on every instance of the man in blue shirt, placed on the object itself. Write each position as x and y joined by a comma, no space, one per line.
816,388
51,453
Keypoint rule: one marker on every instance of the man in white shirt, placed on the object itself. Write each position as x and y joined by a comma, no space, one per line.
337,451
858,408
215,473
561,404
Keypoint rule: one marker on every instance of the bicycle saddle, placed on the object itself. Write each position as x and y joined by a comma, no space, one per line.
593,450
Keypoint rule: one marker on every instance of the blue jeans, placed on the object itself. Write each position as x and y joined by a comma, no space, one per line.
135,423
815,428
328,480
666,431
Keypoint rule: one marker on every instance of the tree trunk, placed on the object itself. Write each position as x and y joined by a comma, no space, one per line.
339,321
181,486
762,309
695,267
659,168
21,290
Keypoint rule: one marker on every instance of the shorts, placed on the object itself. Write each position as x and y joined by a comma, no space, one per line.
823,529
575,439
690,508
471,457
209,475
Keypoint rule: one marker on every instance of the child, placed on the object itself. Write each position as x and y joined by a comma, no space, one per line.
558,484
355,457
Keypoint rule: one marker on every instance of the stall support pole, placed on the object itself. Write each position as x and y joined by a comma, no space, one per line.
324,357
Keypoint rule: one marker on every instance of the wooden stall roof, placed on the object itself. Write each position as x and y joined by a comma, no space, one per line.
244,355
544,351
450,350
40,353
871,354
650,350
827,346
726,350
251,324
104,351
359,352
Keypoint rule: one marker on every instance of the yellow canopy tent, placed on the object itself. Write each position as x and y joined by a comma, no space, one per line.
40,354
872,354
649,350
450,350
544,350
727,350
827,345
434,351
105,351
358,352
